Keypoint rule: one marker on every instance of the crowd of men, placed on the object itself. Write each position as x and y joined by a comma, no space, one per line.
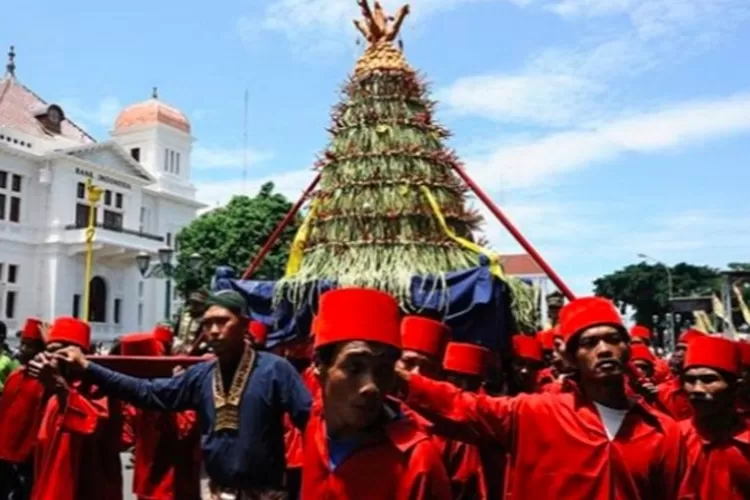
374,405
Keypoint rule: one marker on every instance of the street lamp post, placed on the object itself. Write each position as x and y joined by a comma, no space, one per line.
165,268
669,344
93,195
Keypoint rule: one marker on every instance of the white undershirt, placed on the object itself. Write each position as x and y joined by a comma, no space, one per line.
612,419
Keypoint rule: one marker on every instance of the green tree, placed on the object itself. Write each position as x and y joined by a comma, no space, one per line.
644,287
230,235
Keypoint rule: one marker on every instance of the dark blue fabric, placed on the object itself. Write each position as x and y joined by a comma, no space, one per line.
253,456
476,306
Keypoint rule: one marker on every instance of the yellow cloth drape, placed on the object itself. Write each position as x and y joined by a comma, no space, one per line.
298,245
702,322
495,267
743,305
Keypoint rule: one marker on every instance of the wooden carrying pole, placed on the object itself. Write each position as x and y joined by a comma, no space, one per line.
559,283
258,259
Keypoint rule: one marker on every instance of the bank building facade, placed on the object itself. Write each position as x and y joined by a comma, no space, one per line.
46,162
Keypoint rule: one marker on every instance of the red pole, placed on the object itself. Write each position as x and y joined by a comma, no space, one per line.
255,263
515,232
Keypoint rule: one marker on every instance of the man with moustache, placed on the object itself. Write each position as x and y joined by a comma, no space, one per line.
360,443
240,398
718,435
594,442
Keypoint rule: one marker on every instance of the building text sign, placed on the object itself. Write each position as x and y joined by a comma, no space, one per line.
103,178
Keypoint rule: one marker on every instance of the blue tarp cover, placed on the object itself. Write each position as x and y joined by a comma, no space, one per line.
476,306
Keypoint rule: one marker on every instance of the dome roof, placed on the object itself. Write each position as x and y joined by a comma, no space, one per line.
152,112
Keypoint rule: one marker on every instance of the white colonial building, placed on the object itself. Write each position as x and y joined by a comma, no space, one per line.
45,161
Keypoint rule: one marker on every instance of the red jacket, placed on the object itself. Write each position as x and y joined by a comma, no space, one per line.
74,459
405,465
21,409
159,455
293,440
674,400
463,464
717,469
558,447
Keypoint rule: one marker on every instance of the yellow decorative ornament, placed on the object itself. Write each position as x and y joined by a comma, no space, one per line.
380,31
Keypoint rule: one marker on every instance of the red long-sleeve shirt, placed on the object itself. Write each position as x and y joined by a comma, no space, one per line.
717,468
405,465
21,410
557,444
674,400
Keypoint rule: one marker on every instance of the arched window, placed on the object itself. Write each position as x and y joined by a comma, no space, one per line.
98,300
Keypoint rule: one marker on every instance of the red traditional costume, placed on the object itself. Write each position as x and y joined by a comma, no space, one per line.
403,464
21,407
558,445
424,335
718,465
79,437
258,333
160,462
465,462
671,395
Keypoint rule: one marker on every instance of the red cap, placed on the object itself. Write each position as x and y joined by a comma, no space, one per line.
258,331
32,330
467,359
527,348
424,335
70,330
713,352
586,312
744,348
642,353
314,326
141,344
163,333
358,314
547,339
640,332
689,335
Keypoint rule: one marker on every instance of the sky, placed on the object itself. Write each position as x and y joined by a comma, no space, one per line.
602,128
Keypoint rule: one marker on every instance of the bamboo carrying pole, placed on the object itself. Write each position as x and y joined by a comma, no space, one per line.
499,215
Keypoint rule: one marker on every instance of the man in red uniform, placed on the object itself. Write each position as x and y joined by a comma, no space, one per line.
359,443
641,335
258,333
422,344
743,391
526,364
593,442
643,359
20,413
78,448
718,436
464,366
159,462
671,394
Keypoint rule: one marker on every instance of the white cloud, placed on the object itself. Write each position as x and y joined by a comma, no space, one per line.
291,184
227,158
543,160
102,114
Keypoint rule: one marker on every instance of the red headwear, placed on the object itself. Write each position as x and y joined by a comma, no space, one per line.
358,314
642,353
689,335
640,332
527,348
467,359
744,348
71,331
258,331
585,312
547,339
141,344
424,335
314,326
163,333
713,352
32,330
